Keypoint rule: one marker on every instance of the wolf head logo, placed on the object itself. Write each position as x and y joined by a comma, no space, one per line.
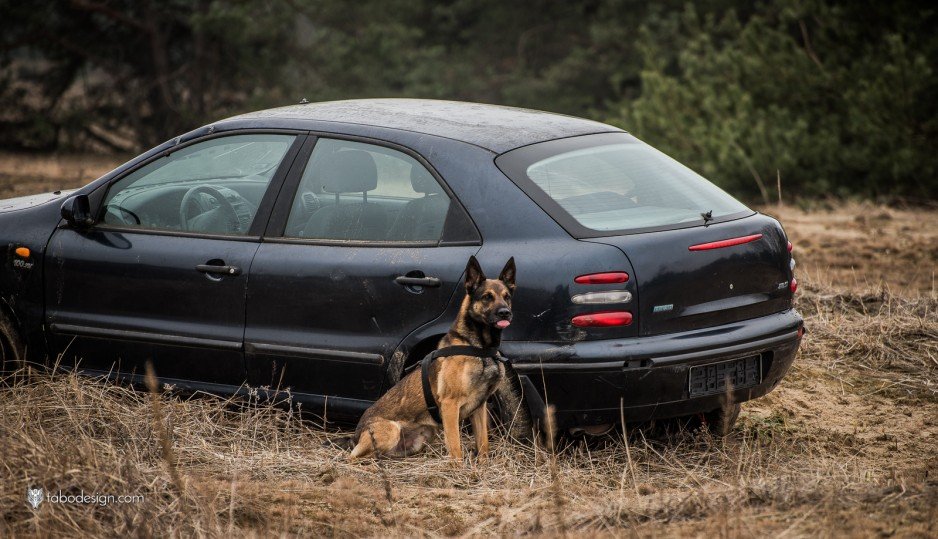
34,497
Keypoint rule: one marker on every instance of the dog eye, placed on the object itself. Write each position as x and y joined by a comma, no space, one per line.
488,296
506,296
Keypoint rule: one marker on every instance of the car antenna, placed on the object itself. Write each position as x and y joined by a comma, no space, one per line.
304,101
707,216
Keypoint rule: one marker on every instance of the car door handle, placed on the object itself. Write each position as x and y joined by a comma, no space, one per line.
220,270
429,282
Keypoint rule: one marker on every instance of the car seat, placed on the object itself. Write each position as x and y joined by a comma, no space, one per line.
348,171
421,219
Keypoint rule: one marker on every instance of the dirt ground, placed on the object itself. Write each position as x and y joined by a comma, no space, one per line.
846,446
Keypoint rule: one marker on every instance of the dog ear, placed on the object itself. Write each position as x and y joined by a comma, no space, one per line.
508,274
474,275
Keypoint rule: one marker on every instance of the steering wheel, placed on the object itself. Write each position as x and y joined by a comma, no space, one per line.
190,197
122,211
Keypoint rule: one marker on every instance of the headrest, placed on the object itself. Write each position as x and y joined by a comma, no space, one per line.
421,180
349,171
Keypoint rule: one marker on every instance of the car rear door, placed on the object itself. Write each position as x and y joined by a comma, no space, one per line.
366,244
156,281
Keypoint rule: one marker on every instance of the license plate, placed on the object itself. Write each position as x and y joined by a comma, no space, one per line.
714,378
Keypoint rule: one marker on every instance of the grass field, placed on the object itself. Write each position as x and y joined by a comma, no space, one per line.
847,445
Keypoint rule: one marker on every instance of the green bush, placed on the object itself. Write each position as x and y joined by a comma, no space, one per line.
803,93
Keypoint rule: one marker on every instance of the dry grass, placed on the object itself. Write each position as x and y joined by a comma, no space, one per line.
26,174
806,459
863,247
845,446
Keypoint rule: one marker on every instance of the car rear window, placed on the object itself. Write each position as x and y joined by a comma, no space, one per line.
614,183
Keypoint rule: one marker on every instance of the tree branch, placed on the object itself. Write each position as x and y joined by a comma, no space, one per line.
807,45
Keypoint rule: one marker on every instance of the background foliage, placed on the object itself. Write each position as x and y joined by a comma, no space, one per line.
832,97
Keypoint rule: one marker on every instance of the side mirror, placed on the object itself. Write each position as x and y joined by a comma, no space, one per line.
76,211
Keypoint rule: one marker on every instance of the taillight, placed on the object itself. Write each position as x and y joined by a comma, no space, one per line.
602,320
600,298
611,277
790,247
793,285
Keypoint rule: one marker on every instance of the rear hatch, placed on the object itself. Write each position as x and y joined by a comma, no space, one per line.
699,257
707,276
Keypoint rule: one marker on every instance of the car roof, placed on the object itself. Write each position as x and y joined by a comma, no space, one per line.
496,128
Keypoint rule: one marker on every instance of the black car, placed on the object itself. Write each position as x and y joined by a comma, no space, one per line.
320,248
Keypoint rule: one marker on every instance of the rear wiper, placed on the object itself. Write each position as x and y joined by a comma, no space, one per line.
707,217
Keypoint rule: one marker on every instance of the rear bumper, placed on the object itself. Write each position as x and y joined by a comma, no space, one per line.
596,382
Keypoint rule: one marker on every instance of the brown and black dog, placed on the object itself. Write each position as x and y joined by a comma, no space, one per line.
399,423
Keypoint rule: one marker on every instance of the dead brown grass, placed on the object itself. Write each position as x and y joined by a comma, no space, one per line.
864,246
26,174
805,460
845,446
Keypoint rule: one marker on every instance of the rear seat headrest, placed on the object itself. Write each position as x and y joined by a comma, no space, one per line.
422,182
349,171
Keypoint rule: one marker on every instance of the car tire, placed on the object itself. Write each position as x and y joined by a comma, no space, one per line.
720,422
12,350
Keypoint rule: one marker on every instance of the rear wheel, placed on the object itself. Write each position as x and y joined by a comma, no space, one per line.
12,350
718,423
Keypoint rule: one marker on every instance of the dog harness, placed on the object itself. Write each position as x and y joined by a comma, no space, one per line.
474,351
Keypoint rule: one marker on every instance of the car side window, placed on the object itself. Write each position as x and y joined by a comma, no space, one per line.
211,187
353,191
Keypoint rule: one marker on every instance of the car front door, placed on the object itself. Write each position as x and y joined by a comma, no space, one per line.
362,250
162,276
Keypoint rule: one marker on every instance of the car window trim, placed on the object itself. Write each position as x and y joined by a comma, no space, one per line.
277,222
167,232
261,216
258,226
354,243
280,213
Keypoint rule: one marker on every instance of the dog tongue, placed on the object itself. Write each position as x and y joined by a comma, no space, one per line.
502,324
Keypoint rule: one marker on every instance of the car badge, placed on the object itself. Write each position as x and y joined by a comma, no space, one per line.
17,263
663,308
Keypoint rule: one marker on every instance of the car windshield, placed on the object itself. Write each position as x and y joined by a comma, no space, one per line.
628,185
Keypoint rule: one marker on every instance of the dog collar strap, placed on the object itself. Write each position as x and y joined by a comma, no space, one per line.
473,351
447,351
